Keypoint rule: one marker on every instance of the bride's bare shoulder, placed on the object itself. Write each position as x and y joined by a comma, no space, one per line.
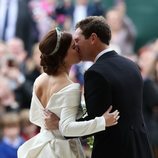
40,80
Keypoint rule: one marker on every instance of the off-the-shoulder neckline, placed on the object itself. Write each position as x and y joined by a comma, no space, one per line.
58,92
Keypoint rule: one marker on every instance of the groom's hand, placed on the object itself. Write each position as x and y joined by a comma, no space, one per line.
51,120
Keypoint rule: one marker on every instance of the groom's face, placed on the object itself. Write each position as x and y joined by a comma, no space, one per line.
83,44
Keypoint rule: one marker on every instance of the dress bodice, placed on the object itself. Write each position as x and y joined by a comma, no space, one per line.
67,96
64,104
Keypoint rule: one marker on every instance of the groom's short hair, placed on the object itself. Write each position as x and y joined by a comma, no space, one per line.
95,24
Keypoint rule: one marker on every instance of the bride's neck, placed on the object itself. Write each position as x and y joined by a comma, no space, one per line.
64,71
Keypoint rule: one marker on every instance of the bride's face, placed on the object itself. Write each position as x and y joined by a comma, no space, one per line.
72,56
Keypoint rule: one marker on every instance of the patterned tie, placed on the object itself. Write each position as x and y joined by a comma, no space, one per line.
5,21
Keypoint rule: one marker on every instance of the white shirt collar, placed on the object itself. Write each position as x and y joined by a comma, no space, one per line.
101,53
14,143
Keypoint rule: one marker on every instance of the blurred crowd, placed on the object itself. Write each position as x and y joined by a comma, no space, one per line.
23,23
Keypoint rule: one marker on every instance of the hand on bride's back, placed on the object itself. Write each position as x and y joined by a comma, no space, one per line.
51,120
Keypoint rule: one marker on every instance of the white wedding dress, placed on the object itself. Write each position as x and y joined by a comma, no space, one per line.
52,144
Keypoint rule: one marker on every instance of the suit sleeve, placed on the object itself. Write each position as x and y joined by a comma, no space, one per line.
97,94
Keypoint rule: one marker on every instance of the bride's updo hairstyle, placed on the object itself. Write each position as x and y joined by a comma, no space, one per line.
53,49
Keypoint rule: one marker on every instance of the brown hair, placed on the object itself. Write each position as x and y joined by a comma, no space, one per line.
24,117
52,63
10,119
95,24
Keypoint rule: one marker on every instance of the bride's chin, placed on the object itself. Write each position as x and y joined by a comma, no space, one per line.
77,61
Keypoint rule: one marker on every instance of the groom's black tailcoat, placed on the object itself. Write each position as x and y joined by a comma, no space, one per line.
115,80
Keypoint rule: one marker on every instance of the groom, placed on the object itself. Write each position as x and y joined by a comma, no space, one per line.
112,80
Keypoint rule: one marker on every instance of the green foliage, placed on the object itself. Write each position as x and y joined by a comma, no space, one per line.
90,141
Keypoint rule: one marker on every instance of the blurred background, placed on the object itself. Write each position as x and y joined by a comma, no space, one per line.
23,23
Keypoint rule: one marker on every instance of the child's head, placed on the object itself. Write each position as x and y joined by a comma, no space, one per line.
10,124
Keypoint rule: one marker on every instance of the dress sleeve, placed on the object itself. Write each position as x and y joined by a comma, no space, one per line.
68,125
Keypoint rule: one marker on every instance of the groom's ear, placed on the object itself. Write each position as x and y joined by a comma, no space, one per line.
93,37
